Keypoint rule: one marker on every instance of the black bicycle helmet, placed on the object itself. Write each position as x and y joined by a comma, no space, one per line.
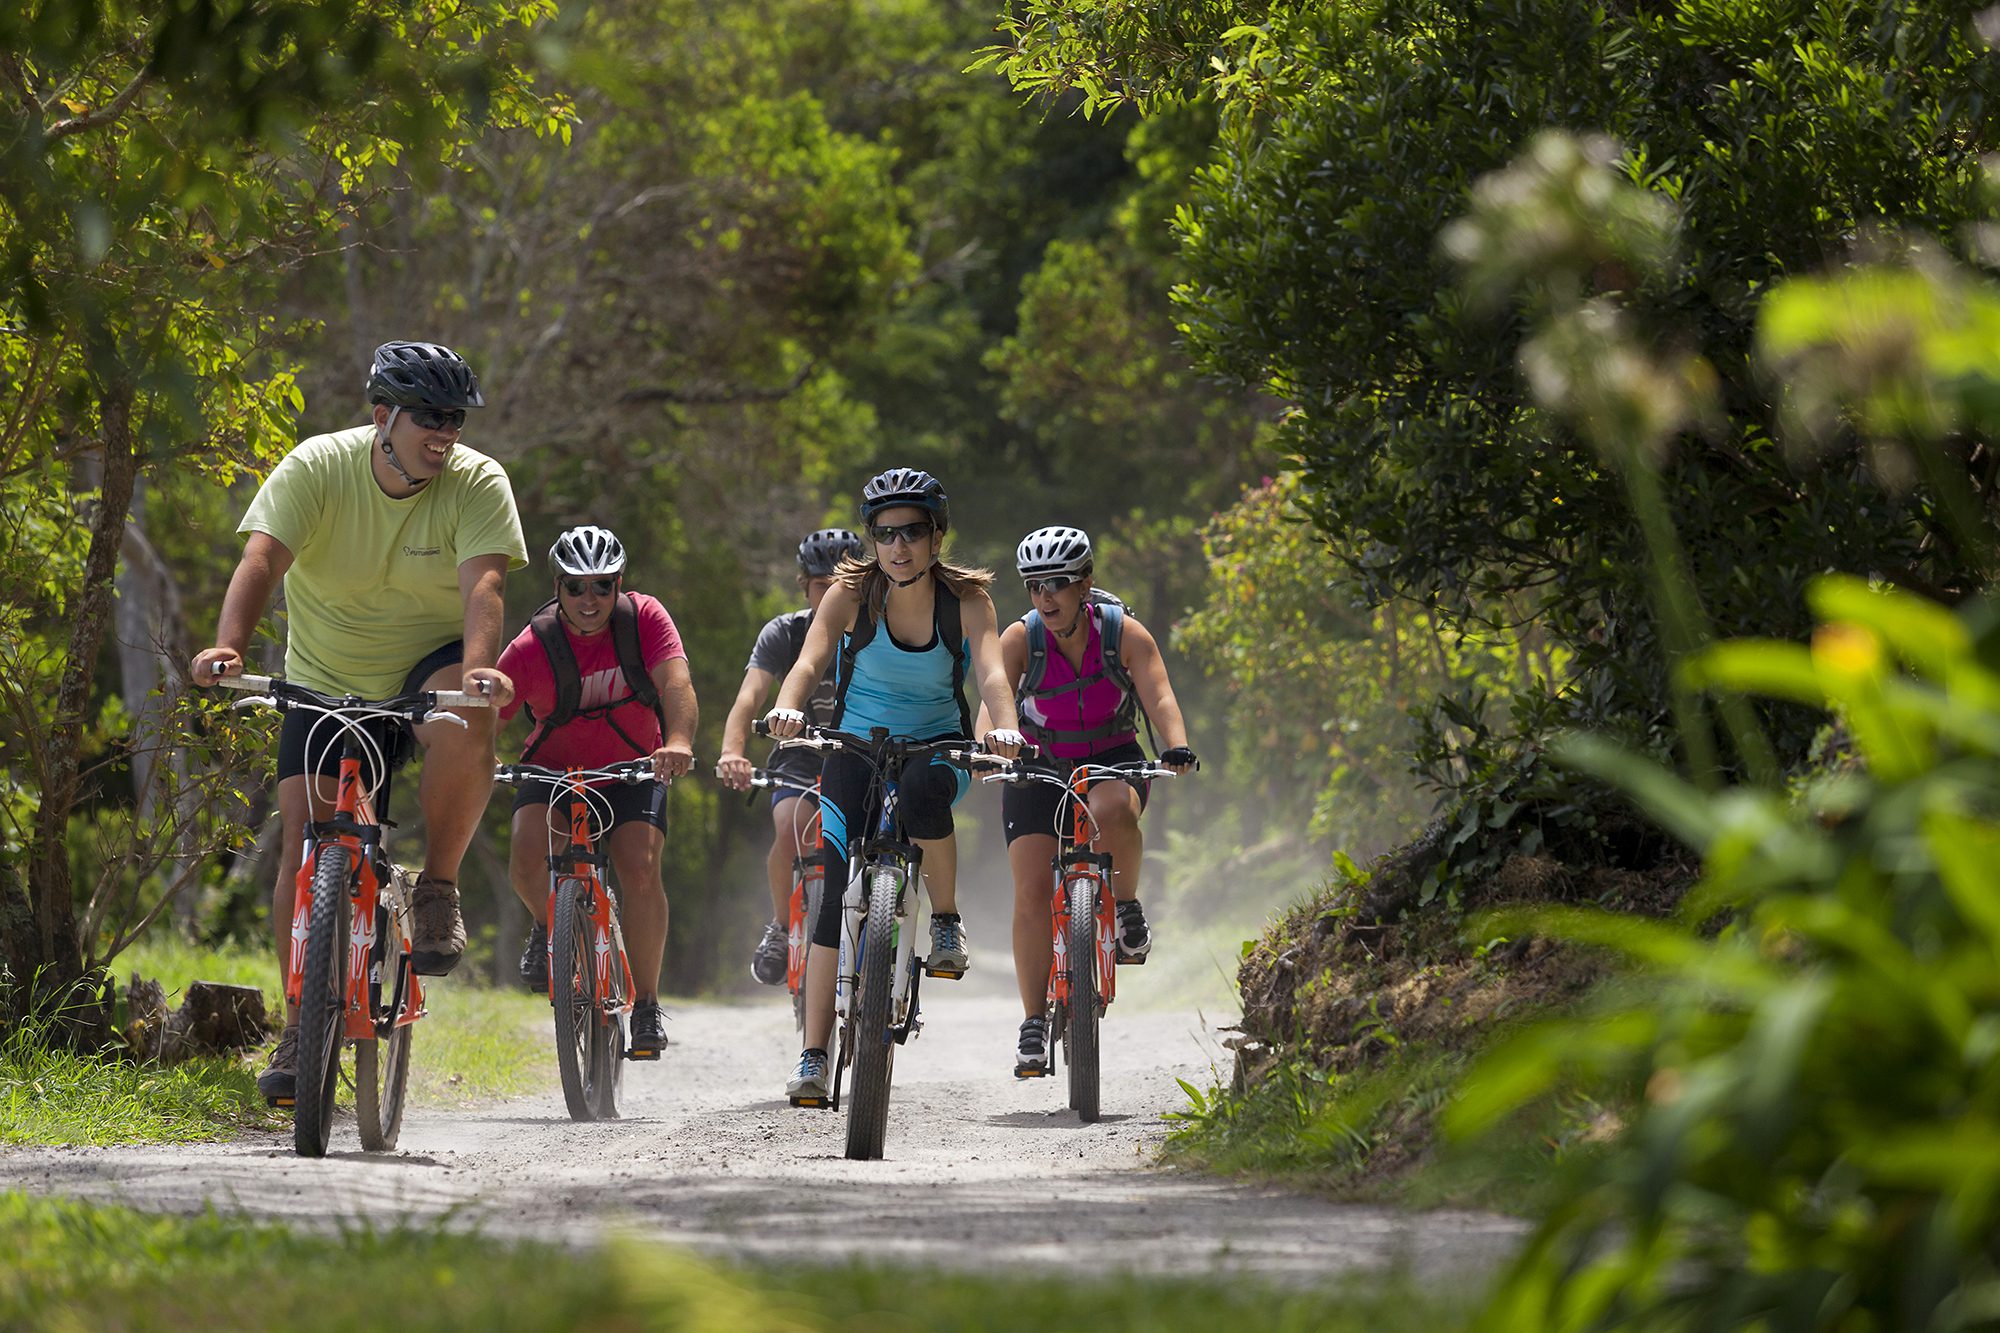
407,374
820,552
901,486
1056,550
587,552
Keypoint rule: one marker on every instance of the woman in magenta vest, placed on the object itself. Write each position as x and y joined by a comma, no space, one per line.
1079,702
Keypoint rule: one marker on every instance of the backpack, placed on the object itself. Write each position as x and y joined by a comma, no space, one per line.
950,624
549,633
1111,615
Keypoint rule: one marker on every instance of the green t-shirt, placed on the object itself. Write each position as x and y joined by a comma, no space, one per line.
373,586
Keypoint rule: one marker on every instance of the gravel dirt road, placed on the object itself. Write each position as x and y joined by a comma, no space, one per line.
982,1171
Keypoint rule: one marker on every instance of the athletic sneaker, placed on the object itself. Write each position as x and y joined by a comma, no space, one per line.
1032,1059
279,1081
809,1080
1135,941
648,1031
535,959
773,953
437,932
948,957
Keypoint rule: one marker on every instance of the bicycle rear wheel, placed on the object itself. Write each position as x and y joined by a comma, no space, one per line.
1080,1040
574,979
874,1047
322,1002
382,1065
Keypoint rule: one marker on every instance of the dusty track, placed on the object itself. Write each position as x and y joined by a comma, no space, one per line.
982,1171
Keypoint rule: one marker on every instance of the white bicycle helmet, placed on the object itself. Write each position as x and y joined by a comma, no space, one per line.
1056,550
587,551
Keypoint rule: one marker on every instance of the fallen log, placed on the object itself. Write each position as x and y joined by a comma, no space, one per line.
214,1018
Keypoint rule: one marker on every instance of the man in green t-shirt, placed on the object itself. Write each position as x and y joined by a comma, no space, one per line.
394,542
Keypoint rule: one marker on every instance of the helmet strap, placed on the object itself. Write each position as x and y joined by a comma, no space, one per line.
389,452
1082,610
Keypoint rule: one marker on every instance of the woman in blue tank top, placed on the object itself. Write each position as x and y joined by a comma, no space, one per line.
907,628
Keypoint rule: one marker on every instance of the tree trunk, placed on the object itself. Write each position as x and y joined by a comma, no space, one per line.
47,959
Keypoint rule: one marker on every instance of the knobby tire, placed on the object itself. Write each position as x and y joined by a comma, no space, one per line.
1082,1037
322,1003
607,1041
874,1048
574,979
382,1066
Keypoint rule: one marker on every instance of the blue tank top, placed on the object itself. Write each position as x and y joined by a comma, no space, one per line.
908,690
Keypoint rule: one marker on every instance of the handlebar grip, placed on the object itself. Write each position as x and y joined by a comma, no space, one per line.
250,684
460,699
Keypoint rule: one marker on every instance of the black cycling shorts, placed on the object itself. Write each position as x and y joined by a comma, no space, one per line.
1031,808
397,741
630,802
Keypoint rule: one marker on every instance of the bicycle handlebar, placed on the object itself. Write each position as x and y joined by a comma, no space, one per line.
631,772
764,779
826,740
1017,772
279,693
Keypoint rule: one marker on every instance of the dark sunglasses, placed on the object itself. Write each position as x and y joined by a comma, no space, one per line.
902,532
435,418
602,587
1053,583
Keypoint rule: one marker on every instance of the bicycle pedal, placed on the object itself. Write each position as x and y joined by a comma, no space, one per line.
1042,1072
281,1103
814,1103
637,1053
1140,961
942,974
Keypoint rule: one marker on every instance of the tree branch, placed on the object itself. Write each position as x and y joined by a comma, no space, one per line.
104,115
721,394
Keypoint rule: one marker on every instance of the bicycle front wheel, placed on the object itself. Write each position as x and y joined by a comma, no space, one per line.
322,1002
874,1046
607,1029
382,1065
574,978
1081,1037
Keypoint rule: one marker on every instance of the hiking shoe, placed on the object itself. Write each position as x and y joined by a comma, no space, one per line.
1135,941
948,957
437,932
535,959
648,1031
773,953
808,1085
279,1084
1031,1059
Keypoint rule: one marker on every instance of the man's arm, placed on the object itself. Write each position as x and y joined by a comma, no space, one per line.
734,765
265,560
481,582
676,689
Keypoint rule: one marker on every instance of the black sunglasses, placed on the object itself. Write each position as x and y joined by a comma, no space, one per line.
1053,583
436,418
602,587
903,532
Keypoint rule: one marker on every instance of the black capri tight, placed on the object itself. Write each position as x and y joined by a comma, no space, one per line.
927,790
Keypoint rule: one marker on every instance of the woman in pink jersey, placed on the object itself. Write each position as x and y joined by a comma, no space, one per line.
594,643
1077,705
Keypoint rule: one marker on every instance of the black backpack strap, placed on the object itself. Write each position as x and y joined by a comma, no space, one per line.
548,632
851,644
632,658
950,618
1111,629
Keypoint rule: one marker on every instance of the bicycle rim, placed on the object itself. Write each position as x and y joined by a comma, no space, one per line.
874,1048
322,1003
1081,1039
382,1066
607,1032
575,991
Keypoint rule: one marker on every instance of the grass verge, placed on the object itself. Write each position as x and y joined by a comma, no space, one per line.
475,1045
87,1266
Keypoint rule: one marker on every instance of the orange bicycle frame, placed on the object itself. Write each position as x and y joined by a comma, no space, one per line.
351,810
1074,873
583,866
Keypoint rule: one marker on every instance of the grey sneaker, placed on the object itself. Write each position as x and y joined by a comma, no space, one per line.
948,957
437,932
648,1031
279,1082
535,959
1031,1059
773,953
808,1085
1135,940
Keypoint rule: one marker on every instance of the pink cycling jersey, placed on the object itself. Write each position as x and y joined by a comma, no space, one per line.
1077,710
590,742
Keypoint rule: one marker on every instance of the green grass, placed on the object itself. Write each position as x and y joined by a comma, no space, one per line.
77,1266
474,1045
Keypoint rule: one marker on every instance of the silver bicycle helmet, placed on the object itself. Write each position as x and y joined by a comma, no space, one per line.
823,550
1056,550
586,551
